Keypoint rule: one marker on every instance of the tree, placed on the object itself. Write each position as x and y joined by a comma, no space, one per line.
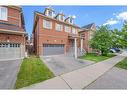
102,39
123,35
116,39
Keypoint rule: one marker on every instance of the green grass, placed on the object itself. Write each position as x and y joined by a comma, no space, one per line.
32,70
96,58
122,64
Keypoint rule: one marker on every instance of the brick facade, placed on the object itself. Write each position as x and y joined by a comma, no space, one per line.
42,35
50,36
12,30
13,23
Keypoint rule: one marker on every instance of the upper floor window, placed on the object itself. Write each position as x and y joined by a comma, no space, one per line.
67,29
74,31
3,13
47,24
61,17
59,27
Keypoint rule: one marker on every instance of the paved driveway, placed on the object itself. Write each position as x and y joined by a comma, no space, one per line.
60,64
8,72
116,78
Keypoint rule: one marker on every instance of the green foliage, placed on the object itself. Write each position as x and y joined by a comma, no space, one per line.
96,58
102,39
119,38
122,64
32,70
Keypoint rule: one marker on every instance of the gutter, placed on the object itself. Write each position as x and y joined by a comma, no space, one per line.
12,32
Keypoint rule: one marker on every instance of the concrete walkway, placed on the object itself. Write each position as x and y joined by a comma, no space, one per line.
80,78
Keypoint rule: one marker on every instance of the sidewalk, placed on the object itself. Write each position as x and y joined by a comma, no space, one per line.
80,78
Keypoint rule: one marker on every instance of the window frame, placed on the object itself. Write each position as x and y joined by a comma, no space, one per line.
45,24
67,30
58,27
5,18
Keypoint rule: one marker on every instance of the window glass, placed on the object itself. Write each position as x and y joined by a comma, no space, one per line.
74,31
3,13
47,24
59,27
67,29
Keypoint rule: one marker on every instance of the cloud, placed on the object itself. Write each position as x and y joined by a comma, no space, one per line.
111,22
118,18
122,16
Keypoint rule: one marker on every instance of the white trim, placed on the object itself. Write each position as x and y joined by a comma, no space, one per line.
5,17
75,41
11,31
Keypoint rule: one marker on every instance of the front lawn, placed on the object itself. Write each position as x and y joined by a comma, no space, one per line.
122,64
96,58
32,70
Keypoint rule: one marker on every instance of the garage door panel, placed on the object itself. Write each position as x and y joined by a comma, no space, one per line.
9,50
53,49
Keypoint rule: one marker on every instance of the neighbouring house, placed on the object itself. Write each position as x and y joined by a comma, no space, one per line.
86,32
54,34
12,33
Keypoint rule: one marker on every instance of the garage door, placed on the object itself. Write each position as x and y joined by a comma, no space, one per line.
53,49
10,51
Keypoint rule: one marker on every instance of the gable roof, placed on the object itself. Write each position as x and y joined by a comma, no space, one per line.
89,26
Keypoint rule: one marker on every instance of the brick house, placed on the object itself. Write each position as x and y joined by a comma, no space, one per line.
54,35
12,33
86,32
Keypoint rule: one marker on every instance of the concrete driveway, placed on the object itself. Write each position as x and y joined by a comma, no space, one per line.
8,73
60,64
115,78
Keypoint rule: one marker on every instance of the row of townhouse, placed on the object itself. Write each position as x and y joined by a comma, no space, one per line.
55,34
52,35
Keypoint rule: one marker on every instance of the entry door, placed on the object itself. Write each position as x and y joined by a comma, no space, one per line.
53,49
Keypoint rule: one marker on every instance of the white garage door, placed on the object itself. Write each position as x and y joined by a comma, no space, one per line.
53,49
10,51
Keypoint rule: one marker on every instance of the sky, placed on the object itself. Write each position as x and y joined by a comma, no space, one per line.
114,16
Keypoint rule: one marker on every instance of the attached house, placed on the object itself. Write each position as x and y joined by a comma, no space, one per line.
12,33
86,32
55,34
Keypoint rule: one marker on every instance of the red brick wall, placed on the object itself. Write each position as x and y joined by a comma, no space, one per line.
49,36
87,34
12,38
14,17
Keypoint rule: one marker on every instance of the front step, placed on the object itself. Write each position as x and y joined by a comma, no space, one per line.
79,53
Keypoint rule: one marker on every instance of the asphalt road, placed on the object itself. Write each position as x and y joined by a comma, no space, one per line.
115,78
8,73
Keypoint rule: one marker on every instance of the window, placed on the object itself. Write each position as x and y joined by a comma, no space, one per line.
74,31
47,24
3,13
50,13
60,17
71,20
67,29
59,27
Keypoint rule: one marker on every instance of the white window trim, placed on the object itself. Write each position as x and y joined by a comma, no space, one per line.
74,30
45,25
59,27
67,29
6,18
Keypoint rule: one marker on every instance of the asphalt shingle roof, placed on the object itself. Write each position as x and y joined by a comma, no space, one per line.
88,26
